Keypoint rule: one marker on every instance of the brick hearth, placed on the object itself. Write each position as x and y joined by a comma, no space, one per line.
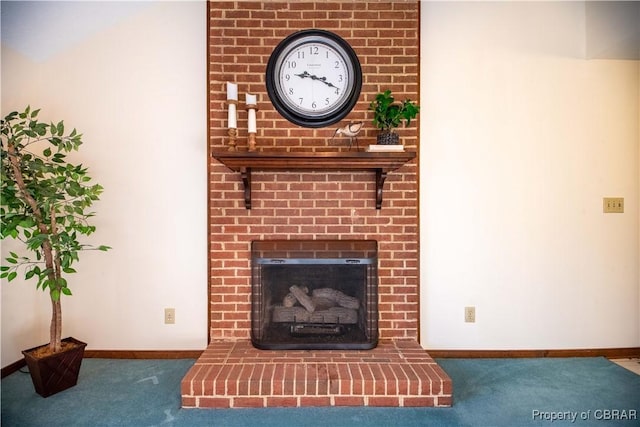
233,374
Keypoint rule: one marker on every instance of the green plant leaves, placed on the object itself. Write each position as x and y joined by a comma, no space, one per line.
388,115
45,201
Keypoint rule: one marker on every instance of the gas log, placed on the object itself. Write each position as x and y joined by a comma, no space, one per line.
325,305
323,297
303,298
338,297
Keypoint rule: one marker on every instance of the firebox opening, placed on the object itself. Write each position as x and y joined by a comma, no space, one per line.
314,294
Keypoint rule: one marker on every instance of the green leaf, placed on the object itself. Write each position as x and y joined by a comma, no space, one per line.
66,291
47,152
12,276
62,282
55,295
69,270
41,129
46,283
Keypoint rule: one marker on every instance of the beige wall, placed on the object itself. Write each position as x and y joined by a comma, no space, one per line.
521,138
136,88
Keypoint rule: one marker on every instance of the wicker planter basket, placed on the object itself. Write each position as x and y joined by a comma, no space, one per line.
388,138
57,372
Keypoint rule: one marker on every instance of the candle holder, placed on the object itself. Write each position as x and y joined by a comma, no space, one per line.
251,114
232,131
252,141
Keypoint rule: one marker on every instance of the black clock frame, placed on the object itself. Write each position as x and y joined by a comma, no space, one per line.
308,119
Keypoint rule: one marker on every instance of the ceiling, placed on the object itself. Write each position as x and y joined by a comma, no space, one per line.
612,30
42,29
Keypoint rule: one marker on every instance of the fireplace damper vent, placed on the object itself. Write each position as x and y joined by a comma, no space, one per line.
314,294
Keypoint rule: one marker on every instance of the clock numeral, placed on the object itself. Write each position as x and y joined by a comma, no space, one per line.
290,91
287,77
340,79
313,105
291,64
301,99
300,54
313,50
337,64
326,101
337,91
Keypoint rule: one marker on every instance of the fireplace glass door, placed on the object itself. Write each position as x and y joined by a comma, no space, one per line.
314,294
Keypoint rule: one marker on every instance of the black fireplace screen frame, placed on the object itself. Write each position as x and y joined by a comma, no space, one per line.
292,279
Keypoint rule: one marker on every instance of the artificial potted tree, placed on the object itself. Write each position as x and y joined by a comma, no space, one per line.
388,115
45,202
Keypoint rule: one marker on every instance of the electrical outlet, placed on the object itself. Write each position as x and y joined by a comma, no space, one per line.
169,316
613,204
470,314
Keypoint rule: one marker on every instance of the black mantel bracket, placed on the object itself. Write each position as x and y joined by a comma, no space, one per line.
380,162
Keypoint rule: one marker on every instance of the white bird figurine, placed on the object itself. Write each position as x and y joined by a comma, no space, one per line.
351,130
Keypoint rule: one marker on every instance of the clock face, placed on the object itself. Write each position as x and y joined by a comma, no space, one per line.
314,78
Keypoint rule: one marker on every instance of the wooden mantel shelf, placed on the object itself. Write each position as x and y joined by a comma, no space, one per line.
244,162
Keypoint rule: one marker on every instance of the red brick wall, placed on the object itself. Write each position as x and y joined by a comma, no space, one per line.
311,204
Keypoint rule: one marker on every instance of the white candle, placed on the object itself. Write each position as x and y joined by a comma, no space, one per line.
251,101
232,91
252,121
232,116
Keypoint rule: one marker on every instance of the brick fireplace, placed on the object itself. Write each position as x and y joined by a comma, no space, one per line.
312,205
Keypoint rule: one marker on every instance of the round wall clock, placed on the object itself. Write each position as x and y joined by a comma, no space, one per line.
313,78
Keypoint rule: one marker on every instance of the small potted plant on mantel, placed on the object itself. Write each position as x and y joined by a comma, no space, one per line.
388,115
45,203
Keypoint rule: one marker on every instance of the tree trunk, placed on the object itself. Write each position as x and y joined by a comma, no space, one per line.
55,338
55,333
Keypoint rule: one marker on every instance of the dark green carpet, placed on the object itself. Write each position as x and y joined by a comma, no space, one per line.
487,392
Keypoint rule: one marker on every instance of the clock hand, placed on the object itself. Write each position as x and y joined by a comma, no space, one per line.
324,80
314,77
